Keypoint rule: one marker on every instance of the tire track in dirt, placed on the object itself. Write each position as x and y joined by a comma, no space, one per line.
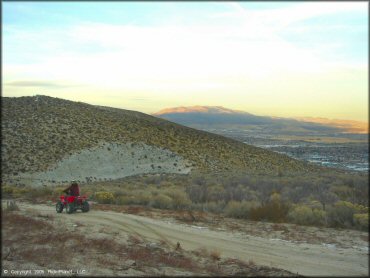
134,229
305,259
169,243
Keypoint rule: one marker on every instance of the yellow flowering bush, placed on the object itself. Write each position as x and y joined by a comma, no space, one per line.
104,197
304,215
361,220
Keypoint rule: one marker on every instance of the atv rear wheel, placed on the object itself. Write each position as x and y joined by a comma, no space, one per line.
85,206
59,207
70,208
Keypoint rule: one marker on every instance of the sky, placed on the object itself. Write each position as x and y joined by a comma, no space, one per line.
285,59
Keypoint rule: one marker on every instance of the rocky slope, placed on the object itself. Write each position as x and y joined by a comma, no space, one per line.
48,140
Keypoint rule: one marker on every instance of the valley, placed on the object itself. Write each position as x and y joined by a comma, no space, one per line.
338,144
347,152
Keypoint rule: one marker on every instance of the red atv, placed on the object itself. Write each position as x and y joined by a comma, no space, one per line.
72,203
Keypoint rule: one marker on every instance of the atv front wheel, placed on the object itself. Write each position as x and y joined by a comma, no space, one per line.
70,208
85,206
59,207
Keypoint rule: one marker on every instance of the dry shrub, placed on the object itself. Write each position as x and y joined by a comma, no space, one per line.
134,209
24,223
11,206
202,252
176,261
80,224
215,255
104,245
272,211
251,263
39,193
54,238
162,242
134,239
214,207
42,255
106,261
46,216
179,198
143,255
214,270
276,227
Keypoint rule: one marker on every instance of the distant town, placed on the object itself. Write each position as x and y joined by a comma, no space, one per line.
345,151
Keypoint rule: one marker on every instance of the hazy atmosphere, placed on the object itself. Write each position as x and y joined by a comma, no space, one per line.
279,59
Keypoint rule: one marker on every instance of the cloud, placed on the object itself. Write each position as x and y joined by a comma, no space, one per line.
110,54
227,54
283,16
34,83
139,99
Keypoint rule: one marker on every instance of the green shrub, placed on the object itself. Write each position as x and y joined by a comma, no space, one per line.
355,207
179,198
304,215
46,191
7,190
143,198
104,197
122,200
137,197
240,209
162,201
19,192
346,215
340,216
35,193
235,209
119,193
57,191
215,193
361,221
214,207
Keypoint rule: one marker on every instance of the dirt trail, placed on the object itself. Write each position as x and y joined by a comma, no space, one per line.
304,259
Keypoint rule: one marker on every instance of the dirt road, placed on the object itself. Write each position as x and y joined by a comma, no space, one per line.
304,259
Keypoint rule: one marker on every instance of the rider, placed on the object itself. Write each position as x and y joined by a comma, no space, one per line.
73,189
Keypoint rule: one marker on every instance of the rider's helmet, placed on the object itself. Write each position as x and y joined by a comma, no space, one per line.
74,182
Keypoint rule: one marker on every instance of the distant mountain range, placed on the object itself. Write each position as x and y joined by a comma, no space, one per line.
348,125
220,117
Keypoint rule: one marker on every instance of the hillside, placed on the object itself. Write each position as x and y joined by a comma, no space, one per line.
51,140
220,117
